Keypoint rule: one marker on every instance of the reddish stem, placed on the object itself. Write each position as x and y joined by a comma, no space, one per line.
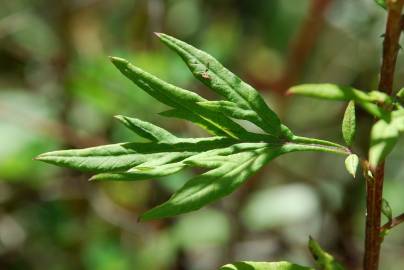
374,185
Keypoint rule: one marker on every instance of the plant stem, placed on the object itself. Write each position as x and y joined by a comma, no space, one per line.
374,185
374,195
393,223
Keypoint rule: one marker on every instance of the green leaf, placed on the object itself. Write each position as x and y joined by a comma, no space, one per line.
380,97
329,91
349,124
386,210
183,100
226,127
381,3
264,266
147,130
400,99
384,136
213,74
141,173
228,170
400,94
230,109
324,260
351,164
228,159
222,179
338,92
123,156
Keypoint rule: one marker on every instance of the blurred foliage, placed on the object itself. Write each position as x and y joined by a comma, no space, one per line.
59,90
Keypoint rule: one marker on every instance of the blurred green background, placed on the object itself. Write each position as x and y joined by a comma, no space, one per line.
59,90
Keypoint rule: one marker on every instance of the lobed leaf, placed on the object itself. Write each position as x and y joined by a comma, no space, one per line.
183,100
264,266
229,169
213,74
212,185
228,158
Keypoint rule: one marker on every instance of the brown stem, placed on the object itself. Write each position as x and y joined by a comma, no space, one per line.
374,190
374,185
391,45
393,223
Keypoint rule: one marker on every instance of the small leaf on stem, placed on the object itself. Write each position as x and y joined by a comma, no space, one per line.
386,210
384,136
349,124
351,164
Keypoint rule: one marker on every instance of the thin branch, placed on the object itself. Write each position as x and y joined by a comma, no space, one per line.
374,186
391,45
393,223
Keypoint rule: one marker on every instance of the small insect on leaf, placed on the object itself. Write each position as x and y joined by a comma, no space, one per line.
205,73
349,124
351,164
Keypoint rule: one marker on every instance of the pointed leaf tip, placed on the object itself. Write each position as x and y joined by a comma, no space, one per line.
215,76
119,117
158,34
41,157
117,61
351,164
